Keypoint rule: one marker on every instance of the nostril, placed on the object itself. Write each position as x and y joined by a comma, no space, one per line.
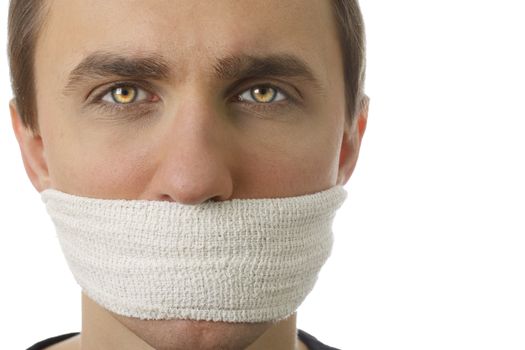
166,198
219,198
191,200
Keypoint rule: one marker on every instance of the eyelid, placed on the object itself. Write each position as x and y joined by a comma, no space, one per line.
249,91
98,98
289,98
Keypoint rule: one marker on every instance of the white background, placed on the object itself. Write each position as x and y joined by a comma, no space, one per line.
430,247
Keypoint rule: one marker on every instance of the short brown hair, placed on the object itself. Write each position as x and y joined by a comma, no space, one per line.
24,24
26,19
352,36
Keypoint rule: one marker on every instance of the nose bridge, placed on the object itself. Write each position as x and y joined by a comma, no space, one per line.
195,160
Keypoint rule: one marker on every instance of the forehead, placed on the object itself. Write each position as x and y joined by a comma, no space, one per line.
190,33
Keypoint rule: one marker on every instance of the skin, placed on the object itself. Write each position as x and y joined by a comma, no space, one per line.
196,142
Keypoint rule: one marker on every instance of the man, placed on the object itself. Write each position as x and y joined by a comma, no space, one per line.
156,108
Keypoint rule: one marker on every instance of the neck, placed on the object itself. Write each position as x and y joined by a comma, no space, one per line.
103,330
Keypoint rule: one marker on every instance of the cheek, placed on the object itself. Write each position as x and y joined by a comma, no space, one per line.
98,167
118,174
290,163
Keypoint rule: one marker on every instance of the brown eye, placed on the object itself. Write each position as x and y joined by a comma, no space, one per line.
262,94
127,94
124,94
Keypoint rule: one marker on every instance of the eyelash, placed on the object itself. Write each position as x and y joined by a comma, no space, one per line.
142,107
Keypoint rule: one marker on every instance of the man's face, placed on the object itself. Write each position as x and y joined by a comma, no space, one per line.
190,101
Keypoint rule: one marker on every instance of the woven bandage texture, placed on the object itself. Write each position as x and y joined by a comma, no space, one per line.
241,260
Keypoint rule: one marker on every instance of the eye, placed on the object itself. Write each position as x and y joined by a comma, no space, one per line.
126,94
262,94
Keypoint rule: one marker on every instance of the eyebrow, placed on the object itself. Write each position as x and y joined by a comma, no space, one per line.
156,67
103,64
236,67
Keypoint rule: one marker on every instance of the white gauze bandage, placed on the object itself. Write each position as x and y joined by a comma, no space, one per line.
241,260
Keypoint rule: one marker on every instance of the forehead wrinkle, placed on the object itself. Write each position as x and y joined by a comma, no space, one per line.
103,64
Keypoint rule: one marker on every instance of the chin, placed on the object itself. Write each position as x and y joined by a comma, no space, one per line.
196,335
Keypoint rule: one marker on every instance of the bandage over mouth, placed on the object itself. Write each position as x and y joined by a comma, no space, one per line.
241,260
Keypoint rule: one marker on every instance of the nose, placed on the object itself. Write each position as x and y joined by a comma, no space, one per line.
195,158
